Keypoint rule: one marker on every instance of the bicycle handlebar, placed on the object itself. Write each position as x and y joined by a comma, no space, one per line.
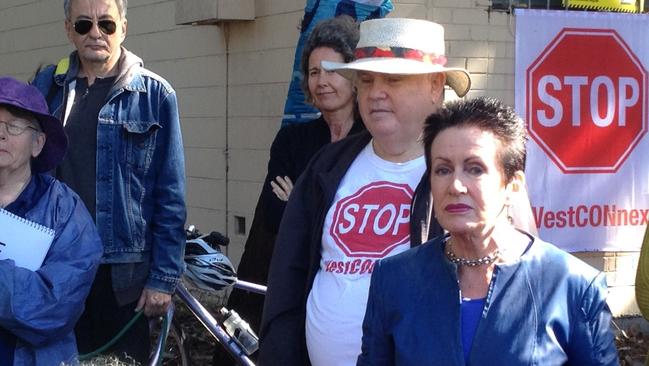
215,239
250,287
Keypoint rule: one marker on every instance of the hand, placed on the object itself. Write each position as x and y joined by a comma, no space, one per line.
155,303
282,187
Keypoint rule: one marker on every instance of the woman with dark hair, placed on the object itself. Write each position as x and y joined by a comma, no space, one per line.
485,293
332,40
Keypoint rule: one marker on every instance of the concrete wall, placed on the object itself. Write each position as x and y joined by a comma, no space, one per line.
232,78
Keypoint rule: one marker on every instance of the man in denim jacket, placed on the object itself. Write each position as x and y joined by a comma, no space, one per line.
126,162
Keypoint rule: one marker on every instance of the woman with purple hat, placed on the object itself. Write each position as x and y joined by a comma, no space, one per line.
42,291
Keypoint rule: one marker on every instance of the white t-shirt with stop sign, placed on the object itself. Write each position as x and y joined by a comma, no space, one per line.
368,220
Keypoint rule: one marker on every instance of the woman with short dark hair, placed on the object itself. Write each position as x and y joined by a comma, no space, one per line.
485,293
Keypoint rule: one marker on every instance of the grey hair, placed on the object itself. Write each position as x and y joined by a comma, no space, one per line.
121,8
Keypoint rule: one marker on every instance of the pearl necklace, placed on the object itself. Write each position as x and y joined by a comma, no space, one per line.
460,261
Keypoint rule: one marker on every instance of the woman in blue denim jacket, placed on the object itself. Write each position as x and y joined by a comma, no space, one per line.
485,293
38,309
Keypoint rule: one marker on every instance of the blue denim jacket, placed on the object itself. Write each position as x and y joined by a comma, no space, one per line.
548,308
41,308
140,174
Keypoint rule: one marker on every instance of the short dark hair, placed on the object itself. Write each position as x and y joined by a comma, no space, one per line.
487,114
341,34
121,8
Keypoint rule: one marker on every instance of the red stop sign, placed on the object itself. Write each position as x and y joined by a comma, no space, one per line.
372,221
586,100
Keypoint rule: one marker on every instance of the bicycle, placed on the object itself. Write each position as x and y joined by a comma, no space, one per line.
210,270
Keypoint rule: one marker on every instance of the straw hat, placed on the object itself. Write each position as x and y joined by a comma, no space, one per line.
402,46
20,95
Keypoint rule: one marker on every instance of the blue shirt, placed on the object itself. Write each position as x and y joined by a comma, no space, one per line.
471,311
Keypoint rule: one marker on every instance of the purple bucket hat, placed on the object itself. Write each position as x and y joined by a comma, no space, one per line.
28,98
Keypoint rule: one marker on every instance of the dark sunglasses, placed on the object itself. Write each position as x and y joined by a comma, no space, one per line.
84,26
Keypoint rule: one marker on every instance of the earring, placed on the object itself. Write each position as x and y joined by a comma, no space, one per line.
510,218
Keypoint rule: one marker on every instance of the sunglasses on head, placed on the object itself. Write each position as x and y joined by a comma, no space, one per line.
84,26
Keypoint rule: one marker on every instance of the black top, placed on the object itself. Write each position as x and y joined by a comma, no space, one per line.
291,151
79,167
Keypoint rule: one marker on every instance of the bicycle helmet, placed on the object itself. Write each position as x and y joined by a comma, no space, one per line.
208,268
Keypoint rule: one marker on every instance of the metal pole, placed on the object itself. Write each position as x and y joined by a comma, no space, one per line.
212,326
250,287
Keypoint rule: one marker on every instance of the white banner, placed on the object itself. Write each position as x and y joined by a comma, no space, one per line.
581,86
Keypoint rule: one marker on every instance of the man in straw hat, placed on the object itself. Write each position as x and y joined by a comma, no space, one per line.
50,248
359,200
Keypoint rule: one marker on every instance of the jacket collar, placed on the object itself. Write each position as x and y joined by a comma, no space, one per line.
127,78
343,160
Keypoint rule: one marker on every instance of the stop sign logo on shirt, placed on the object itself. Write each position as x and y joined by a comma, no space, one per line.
373,221
586,100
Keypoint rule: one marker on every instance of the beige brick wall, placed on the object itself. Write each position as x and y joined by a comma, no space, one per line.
232,79
480,41
620,269
261,59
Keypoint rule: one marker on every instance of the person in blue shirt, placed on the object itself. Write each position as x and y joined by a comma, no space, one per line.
38,309
486,292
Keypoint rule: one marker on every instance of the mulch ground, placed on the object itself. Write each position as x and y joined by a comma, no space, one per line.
200,342
632,345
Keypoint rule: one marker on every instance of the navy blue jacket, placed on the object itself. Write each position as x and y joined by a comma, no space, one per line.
41,308
548,308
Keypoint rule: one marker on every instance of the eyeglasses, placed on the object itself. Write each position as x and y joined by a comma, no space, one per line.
84,26
14,128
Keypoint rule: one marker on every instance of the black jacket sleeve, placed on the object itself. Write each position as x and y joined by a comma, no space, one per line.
282,327
279,164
